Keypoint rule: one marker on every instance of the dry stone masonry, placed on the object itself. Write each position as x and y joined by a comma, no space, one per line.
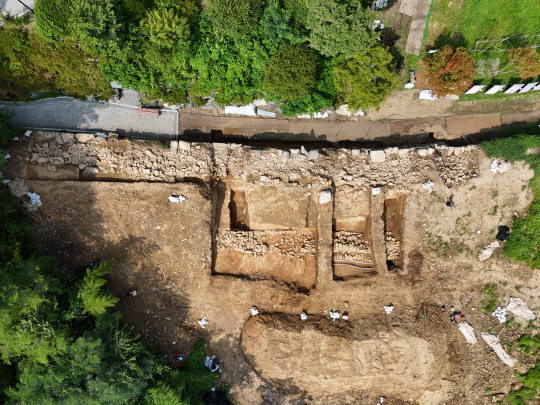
296,243
96,155
351,246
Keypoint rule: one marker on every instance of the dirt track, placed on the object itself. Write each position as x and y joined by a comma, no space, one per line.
165,251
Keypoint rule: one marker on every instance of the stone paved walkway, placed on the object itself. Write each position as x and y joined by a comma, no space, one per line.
418,24
71,114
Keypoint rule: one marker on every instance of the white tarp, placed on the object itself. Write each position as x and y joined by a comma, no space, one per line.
375,190
35,199
428,186
528,87
177,199
388,309
254,310
495,89
303,315
325,197
475,89
493,342
514,89
468,332
499,167
203,322
488,251
518,307
320,115
427,95
343,109
248,110
334,315
500,314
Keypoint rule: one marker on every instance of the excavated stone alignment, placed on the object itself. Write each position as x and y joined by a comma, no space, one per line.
267,220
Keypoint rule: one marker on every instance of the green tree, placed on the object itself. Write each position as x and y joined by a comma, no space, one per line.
321,97
164,28
290,73
53,18
340,27
278,25
97,26
235,18
106,365
231,69
448,71
94,300
365,80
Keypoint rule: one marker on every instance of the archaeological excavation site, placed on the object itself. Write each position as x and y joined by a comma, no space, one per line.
357,260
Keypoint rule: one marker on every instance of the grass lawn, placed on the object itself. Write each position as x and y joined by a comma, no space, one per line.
465,22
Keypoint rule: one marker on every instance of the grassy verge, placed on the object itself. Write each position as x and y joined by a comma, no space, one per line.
523,243
532,95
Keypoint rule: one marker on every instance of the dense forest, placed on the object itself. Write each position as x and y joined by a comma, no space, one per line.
309,55
60,340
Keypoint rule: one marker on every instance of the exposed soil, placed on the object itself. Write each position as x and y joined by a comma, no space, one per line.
282,259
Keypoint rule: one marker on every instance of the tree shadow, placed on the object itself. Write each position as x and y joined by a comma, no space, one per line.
447,37
83,221
389,38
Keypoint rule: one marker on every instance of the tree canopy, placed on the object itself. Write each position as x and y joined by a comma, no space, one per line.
171,50
527,60
235,18
449,71
340,27
290,73
364,80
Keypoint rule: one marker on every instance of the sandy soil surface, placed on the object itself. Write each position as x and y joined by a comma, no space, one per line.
165,251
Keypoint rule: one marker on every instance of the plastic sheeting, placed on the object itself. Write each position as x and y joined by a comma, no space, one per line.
248,110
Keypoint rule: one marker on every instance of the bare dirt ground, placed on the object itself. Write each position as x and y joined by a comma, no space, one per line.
168,253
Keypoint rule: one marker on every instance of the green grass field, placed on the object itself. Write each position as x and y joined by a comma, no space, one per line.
465,22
